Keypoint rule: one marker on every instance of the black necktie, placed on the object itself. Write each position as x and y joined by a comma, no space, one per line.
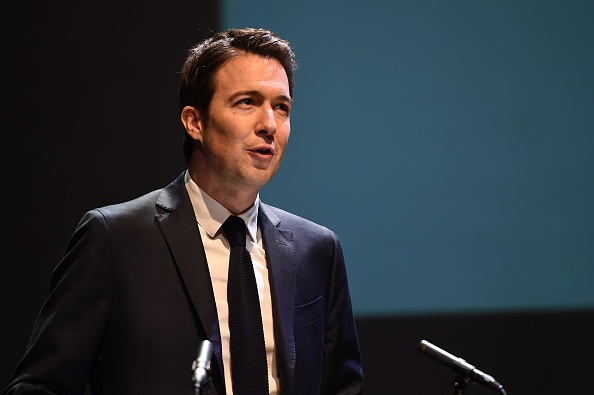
249,369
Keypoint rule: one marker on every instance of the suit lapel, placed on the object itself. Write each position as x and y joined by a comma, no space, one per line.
180,230
280,256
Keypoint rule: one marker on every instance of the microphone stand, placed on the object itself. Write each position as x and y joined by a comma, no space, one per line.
460,385
200,385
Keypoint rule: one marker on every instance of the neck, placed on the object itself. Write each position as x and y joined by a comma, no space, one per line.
236,200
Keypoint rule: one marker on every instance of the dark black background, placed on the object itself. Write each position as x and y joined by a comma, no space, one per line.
89,117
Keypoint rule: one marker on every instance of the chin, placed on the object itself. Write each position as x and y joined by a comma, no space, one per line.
261,179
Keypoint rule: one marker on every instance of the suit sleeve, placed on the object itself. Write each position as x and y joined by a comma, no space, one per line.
342,366
69,327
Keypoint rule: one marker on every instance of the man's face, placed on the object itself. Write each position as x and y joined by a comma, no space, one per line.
248,124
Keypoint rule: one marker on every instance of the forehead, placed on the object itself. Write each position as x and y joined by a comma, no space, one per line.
250,70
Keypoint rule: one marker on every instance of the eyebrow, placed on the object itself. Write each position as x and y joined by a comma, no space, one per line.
255,92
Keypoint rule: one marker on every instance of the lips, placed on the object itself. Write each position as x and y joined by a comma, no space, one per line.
263,150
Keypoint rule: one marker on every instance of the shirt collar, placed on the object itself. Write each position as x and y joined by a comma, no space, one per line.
210,214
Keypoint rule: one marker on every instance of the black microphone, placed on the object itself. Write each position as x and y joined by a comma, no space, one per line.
459,366
201,366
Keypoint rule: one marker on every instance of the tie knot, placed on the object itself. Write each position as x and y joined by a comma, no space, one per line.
234,229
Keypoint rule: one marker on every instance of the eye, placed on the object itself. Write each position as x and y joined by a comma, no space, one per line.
245,102
283,107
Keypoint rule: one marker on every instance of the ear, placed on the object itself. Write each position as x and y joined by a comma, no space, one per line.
193,122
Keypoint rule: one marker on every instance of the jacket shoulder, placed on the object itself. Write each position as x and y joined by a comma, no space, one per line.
287,220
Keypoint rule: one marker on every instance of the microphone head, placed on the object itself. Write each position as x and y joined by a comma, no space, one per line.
201,365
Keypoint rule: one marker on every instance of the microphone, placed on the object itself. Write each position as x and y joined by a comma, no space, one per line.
201,366
459,366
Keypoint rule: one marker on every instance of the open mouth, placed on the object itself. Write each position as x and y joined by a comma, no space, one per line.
263,151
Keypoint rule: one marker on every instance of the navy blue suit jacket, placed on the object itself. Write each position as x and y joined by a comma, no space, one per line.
131,301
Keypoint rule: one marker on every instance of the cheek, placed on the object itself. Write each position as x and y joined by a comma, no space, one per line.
284,130
284,137
230,128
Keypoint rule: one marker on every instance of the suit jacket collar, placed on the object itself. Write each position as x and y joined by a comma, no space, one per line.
280,255
178,226
180,230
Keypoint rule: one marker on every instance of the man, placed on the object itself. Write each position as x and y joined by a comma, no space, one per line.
144,282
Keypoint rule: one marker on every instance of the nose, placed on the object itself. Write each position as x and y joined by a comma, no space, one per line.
266,121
